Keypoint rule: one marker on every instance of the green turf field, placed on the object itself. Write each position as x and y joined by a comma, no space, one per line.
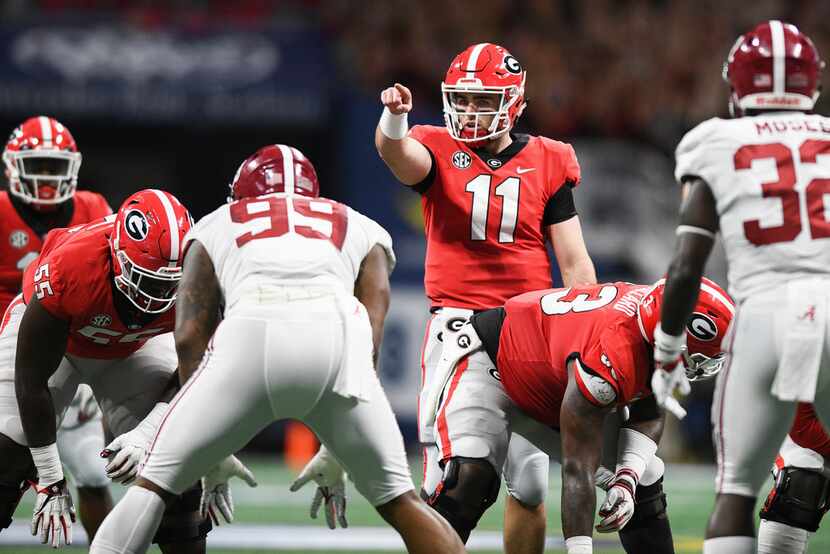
689,494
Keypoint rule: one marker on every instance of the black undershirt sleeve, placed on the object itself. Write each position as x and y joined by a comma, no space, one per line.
427,181
560,206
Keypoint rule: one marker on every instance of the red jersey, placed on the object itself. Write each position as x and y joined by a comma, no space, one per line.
808,432
543,330
73,280
485,217
20,243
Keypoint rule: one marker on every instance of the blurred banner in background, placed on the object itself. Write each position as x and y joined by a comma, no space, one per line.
168,75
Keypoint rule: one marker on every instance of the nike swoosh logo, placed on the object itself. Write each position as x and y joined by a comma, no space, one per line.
521,170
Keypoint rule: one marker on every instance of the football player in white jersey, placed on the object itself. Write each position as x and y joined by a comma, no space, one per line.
760,179
305,285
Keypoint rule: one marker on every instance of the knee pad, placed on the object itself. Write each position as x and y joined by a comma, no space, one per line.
468,488
799,498
650,505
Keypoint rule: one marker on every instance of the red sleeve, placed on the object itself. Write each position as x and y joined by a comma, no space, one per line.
424,133
45,280
564,167
101,208
621,360
593,377
808,432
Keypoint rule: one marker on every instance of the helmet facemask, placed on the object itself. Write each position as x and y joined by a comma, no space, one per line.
456,116
29,170
700,367
150,291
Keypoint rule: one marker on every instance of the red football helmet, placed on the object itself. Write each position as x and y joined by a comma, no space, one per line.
146,246
705,329
773,67
275,168
42,162
483,69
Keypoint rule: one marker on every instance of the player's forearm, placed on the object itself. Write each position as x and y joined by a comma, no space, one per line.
578,499
579,273
37,413
407,158
680,296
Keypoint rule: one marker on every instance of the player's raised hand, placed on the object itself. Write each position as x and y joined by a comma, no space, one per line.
397,99
324,470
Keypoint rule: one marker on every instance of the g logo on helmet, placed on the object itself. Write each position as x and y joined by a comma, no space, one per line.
702,327
135,224
512,65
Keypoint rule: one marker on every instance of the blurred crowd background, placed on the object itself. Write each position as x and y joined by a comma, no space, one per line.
176,94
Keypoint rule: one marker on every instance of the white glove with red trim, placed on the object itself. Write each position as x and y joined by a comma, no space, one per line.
54,514
669,373
618,507
216,493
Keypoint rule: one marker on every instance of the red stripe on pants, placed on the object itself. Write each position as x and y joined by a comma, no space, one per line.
443,432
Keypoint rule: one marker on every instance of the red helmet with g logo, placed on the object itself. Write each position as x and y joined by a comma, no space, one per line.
773,67
483,69
275,168
42,162
705,328
146,245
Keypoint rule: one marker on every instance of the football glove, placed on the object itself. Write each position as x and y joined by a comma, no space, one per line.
324,470
126,452
669,374
618,507
54,514
216,493
87,406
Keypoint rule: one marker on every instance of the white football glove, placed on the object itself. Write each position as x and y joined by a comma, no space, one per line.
126,452
54,514
324,470
618,507
669,374
216,493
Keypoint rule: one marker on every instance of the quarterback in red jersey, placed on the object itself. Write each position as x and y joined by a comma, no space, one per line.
96,308
491,200
41,162
551,364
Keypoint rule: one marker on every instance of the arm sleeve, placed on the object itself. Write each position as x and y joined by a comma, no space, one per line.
560,206
571,172
54,294
103,208
595,386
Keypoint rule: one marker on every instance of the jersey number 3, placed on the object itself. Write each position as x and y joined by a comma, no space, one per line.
784,190
276,216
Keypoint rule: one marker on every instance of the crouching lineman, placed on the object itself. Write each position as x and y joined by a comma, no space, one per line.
801,493
42,162
551,364
96,308
305,284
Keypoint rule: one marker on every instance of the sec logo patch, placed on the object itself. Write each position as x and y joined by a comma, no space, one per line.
19,239
461,160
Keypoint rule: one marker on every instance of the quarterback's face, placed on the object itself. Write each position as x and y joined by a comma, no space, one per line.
469,103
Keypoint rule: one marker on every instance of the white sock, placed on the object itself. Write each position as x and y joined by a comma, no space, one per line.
130,526
780,538
729,545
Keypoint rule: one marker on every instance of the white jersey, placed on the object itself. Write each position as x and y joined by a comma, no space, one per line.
769,175
279,239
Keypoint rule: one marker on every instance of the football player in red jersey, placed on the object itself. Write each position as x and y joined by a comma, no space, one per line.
551,364
491,200
800,495
96,308
758,179
41,160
